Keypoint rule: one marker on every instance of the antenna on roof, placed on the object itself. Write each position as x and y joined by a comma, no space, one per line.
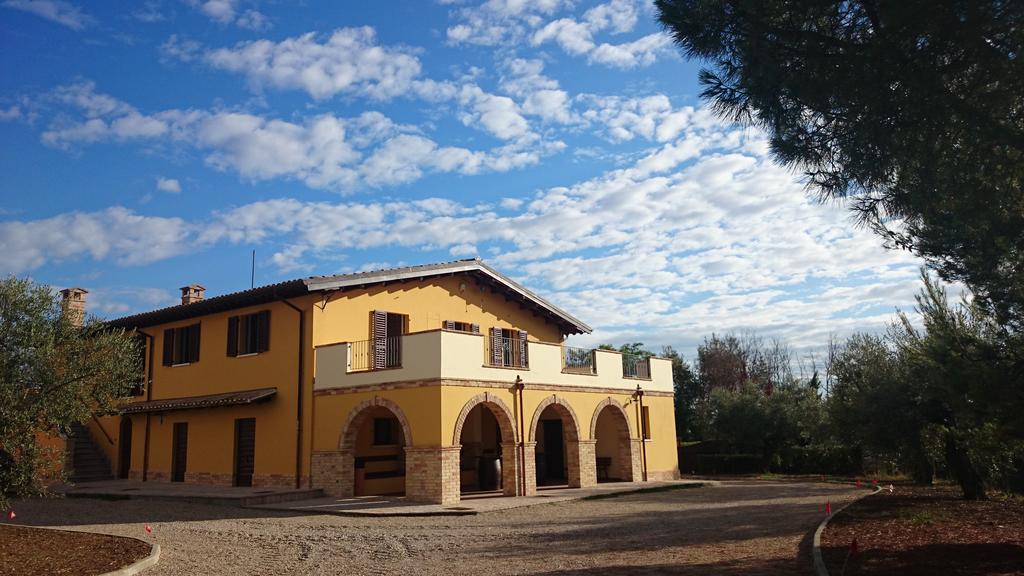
252,276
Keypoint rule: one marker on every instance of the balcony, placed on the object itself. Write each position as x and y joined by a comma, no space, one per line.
444,355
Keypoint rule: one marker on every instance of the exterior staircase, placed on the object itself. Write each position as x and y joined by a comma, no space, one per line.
88,463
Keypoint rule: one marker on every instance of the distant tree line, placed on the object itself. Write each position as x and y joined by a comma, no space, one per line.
942,399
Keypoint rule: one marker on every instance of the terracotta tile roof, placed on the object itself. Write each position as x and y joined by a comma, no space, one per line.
298,287
193,402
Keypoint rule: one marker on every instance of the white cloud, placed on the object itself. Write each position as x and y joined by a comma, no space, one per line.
348,61
222,11
498,22
576,37
58,11
253,20
11,113
169,185
324,151
116,234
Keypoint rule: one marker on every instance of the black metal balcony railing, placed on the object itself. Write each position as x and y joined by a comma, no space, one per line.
578,360
375,354
510,353
636,367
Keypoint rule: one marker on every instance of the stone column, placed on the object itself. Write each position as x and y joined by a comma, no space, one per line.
334,472
432,474
510,468
530,468
636,459
582,457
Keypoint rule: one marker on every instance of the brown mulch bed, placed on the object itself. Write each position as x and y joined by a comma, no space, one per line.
25,550
927,530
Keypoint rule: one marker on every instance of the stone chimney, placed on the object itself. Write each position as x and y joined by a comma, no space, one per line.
192,293
73,301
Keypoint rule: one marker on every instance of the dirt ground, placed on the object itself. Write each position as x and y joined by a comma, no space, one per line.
34,551
743,527
922,531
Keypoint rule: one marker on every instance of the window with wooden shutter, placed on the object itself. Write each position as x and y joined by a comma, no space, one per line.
263,331
461,326
524,356
497,347
379,327
181,345
233,336
249,333
193,343
168,347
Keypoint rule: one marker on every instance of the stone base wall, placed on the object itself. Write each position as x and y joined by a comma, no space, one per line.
333,473
282,481
209,478
530,468
432,474
662,475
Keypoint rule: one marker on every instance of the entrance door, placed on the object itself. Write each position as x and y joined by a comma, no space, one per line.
179,452
245,450
124,440
554,450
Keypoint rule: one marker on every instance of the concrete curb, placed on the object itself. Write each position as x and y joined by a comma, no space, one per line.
819,560
147,562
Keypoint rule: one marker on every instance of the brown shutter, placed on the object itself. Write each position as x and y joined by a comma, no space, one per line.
497,347
233,336
263,331
168,347
379,325
193,343
449,325
524,357
474,328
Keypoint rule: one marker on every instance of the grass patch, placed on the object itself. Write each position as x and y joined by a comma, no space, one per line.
650,490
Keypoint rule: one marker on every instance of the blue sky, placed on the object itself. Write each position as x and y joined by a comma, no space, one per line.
155,144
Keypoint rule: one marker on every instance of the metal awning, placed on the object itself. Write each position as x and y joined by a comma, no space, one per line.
195,402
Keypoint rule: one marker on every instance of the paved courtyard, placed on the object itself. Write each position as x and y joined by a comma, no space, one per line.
736,527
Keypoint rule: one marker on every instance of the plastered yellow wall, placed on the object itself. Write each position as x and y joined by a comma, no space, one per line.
211,431
428,303
421,406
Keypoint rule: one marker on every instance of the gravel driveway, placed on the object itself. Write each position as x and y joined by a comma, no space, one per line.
734,528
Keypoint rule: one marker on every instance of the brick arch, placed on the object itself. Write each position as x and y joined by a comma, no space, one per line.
564,410
616,406
502,413
358,414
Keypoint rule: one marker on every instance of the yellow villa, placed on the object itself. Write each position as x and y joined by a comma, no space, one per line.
426,381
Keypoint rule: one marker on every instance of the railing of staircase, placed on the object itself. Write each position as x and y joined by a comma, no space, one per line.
102,429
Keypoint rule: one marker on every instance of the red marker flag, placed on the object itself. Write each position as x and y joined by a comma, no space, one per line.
854,549
874,482
149,529
828,508
858,483
11,515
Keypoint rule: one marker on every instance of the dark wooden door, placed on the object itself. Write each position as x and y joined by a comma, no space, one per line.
245,450
179,452
124,440
554,450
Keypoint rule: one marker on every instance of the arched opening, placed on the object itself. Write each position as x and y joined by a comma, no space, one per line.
613,449
557,452
375,440
486,434
480,459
